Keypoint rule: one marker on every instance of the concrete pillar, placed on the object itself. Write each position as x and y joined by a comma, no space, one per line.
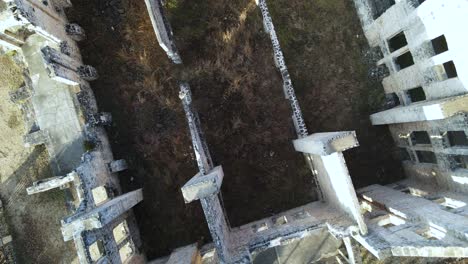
354,254
201,186
101,215
163,29
51,183
324,144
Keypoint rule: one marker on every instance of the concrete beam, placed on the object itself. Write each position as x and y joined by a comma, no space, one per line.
162,29
202,186
433,110
324,144
51,183
100,216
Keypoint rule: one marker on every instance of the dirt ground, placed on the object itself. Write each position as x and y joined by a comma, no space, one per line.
34,221
238,92
330,62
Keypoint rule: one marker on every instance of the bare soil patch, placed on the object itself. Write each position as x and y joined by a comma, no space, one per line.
34,221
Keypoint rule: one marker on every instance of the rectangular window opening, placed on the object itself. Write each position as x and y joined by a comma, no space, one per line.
389,220
439,44
96,250
120,232
397,42
126,252
415,192
280,221
391,100
457,138
259,228
420,138
405,60
100,195
416,94
426,156
450,203
379,7
431,233
459,161
403,154
450,69
301,215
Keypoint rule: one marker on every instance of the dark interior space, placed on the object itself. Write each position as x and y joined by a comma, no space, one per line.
457,138
426,156
380,6
404,61
420,137
450,69
439,44
416,94
397,42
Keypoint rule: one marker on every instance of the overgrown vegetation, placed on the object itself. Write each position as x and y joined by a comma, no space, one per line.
228,61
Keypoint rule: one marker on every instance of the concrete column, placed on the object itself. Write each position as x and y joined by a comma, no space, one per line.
162,29
354,254
51,183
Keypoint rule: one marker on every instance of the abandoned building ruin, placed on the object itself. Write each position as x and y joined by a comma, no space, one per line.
424,215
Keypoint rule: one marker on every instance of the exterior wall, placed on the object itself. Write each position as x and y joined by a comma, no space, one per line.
444,107
409,218
444,171
420,25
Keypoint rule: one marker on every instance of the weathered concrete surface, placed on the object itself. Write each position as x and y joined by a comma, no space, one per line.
101,215
425,111
425,229
51,183
201,186
33,221
163,29
314,248
337,187
55,111
324,144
